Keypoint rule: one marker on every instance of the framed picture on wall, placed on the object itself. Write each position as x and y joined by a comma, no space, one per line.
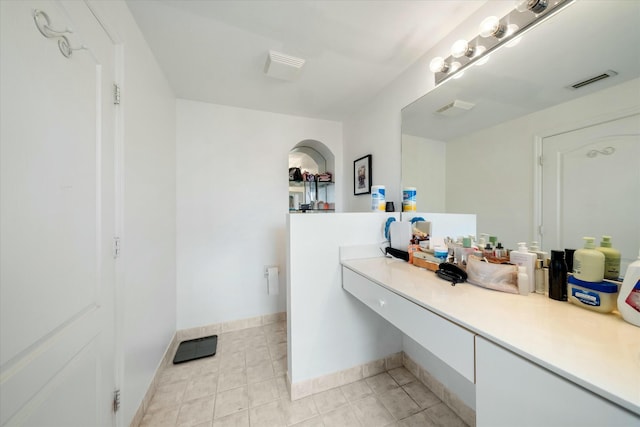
362,175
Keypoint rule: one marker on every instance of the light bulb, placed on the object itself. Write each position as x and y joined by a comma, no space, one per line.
437,65
491,27
461,48
455,66
511,28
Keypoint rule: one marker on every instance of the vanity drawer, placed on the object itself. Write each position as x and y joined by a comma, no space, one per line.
451,343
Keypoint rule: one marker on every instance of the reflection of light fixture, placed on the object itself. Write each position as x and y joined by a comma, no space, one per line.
461,48
491,27
437,65
493,32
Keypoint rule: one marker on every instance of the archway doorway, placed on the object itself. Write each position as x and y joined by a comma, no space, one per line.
311,178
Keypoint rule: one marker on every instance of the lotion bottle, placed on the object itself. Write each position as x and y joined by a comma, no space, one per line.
527,259
629,296
523,280
611,258
588,264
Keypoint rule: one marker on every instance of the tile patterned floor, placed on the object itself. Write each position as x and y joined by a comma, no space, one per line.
244,385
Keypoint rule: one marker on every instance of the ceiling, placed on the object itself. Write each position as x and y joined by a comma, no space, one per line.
215,51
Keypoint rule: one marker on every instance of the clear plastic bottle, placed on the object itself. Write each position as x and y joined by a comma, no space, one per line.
611,258
588,264
523,280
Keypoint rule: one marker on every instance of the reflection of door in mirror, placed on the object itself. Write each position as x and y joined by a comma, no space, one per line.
591,186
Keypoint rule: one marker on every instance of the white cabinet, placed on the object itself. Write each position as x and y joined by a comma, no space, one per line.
451,343
512,391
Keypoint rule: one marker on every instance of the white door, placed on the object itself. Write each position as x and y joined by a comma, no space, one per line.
591,187
57,218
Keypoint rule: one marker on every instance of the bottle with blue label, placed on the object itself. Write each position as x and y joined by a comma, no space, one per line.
629,296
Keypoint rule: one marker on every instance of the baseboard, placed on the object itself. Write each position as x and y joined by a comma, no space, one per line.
316,385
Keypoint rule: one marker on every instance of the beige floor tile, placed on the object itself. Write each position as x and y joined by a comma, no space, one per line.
162,418
421,419
239,419
260,371
341,417
424,397
381,383
263,392
168,396
204,424
312,422
276,337
356,391
443,416
278,351
231,401
275,327
257,355
229,380
398,403
267,415
371,412
329,400
402,376
205,366
175,373
283,391
200,387
233,362
280,366
196,411
299,410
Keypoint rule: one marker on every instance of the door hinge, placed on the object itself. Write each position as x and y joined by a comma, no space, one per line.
540,161
540,230
116,247
116,94
116,400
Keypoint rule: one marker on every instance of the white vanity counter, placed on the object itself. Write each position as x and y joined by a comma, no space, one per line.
600,352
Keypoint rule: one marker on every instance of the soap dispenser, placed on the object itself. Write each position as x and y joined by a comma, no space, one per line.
527,259
588,263
611,258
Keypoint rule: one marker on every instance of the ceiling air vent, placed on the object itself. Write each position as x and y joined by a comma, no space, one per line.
606,74
283,67
455,108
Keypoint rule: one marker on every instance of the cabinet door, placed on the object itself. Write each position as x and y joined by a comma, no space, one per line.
511,391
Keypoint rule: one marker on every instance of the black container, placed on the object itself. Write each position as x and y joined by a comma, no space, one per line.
558,276
568,258
389,207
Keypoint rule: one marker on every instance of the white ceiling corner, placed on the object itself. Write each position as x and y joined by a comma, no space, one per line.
215,50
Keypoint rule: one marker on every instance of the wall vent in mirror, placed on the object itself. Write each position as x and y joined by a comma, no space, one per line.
455,108
582,83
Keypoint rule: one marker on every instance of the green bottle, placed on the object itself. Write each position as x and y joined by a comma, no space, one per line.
611,259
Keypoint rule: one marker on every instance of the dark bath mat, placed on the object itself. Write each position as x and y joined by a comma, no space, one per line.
196,349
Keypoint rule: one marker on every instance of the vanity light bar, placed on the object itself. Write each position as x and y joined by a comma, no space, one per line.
493,33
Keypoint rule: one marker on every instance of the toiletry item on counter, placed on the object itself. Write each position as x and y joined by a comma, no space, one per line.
426,260
525,258
600,297
588,264
500,251
499,277
523,280
568,257
611,258
378,198
629,296
539,277
409,199
558,276
534,248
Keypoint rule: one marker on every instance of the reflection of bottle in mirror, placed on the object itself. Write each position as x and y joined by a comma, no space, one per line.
611,258
558,276
539,277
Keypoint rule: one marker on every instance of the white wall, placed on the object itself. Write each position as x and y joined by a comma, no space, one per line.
425,170
146,302
491,172
329,330
232,204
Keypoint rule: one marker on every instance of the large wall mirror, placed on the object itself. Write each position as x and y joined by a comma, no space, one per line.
535,158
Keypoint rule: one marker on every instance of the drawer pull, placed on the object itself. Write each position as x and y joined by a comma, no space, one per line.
382,303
